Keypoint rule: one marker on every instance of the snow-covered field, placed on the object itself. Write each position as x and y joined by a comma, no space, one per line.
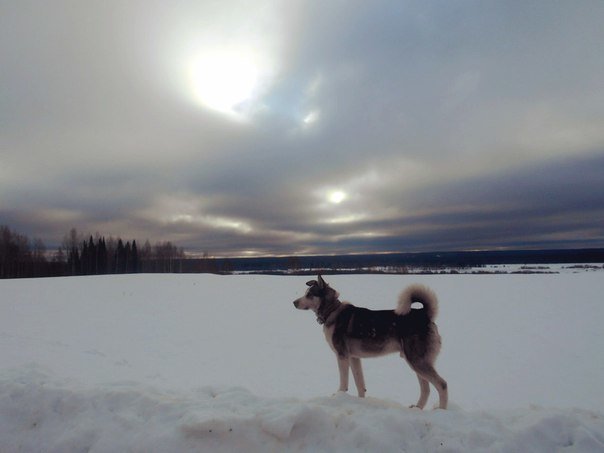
172,363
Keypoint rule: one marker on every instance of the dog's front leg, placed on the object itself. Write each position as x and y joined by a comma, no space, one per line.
357,373
343,366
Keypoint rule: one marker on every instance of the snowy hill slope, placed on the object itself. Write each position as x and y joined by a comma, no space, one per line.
193,362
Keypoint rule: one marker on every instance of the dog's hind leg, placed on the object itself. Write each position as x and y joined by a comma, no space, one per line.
424,388
426,371
357,373
343,366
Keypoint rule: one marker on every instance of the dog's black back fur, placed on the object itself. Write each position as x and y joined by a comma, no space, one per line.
378,327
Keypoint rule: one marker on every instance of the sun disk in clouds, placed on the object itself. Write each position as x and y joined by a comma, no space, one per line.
224,81
336,197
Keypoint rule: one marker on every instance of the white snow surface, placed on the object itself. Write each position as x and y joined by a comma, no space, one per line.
179,363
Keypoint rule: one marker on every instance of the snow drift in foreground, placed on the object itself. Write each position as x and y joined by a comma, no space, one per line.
35,416
207,363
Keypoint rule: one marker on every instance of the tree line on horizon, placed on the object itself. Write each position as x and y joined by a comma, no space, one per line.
21,257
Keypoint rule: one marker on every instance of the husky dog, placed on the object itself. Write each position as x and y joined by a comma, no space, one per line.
355,333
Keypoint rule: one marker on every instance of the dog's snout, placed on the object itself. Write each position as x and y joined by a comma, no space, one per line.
296,302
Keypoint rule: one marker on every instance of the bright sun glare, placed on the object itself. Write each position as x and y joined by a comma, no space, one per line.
336,197
224,81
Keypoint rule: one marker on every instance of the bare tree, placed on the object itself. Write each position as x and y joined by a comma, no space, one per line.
71,245
38,256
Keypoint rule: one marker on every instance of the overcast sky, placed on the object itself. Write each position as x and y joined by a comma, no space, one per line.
282,127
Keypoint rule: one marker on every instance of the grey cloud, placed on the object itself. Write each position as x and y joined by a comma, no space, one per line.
450,125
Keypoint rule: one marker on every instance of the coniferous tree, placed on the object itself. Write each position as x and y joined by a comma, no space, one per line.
134,259
92,257
73,261
84,260
102,254
119,257
111,258
127,258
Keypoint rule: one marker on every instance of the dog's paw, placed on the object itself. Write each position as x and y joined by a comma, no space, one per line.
340,394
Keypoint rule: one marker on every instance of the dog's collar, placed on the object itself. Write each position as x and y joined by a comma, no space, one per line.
323,317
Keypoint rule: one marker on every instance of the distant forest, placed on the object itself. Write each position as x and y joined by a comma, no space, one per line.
95,255
21,257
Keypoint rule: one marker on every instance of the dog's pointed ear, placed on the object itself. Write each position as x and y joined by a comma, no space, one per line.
322,283
311,283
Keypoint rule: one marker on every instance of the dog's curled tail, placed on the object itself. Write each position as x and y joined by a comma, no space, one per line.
421,294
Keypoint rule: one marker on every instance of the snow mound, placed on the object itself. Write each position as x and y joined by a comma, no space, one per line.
38,414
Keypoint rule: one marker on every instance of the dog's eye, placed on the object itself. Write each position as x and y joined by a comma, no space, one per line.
311,292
